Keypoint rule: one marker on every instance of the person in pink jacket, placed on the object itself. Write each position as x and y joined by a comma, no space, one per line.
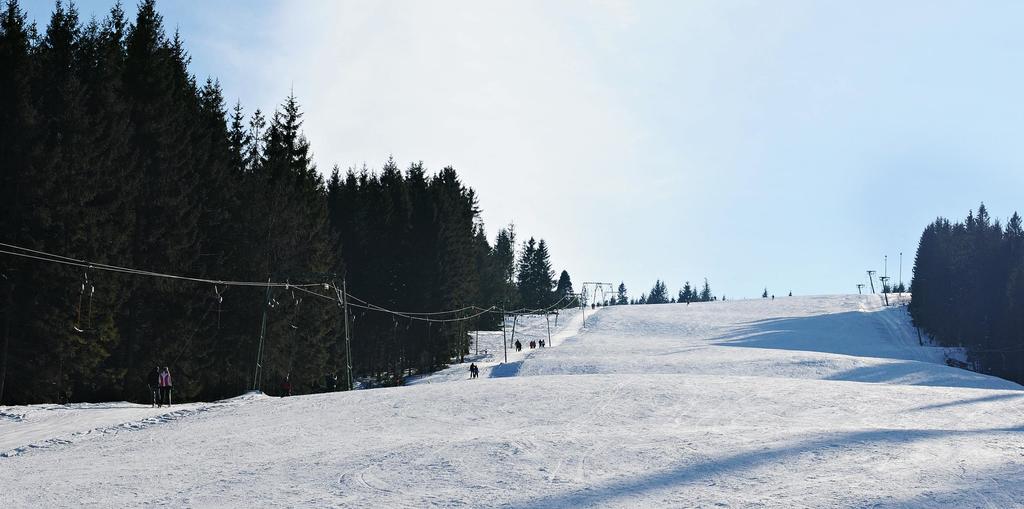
165,386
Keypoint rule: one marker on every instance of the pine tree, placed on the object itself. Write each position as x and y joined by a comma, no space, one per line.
544,276
239,139
688,294
658,294
564,290
254,148
525,275
705,293
505,260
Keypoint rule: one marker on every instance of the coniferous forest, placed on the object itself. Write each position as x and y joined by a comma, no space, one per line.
112,152
968,290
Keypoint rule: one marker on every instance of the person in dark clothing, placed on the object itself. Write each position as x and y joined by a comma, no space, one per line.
286,386
519,346
165,386
332,382
154,385
474,371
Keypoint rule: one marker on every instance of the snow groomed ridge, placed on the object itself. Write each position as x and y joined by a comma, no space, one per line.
796,402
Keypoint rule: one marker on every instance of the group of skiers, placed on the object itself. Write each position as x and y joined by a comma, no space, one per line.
160,386
532,344
474,371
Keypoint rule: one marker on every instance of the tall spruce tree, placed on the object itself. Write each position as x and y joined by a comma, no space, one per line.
563,290
658,293
705,292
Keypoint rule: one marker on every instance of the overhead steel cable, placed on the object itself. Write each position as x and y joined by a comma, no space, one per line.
426,316
75,262
419,318
417,313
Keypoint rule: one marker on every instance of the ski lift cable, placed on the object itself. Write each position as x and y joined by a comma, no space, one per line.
54,258
536,311
303,287
482,311
420,318
417,313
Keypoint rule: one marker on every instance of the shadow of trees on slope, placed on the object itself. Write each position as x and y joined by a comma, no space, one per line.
841,333
857,334
971,401
677,478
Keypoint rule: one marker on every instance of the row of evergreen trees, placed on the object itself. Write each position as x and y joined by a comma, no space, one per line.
110,151
968,290
659,295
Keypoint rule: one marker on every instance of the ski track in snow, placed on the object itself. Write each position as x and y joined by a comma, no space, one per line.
797,402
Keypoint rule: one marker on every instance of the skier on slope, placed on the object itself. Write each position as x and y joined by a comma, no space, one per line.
154,385
286,386
165,386
473,370
519,346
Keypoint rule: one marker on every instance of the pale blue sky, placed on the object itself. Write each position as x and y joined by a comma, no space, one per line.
787,144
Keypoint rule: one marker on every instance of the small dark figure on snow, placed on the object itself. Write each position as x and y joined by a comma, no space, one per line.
331,380
519,346
533,345
154,385
474,372
286,386
542,343
165,386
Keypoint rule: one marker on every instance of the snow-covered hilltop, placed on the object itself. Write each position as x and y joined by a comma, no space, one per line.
805,401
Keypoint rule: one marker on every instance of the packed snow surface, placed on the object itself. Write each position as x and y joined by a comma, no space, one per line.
796,402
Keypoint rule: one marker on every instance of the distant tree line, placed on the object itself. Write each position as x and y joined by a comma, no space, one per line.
968,290
659,295
112,152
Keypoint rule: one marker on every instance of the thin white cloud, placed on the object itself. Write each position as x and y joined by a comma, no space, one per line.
500,91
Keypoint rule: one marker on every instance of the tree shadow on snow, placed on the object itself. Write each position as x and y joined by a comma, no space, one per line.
983,399
841,333
676,478
922,373
857,334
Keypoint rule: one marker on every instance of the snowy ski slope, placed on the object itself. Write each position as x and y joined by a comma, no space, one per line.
797,402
